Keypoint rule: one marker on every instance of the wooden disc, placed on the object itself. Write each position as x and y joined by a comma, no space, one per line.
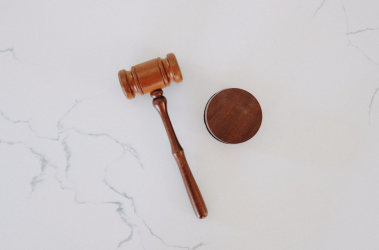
233,116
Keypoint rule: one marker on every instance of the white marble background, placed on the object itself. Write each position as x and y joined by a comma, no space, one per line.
82,167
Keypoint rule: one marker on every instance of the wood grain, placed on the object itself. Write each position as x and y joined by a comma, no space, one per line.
233,116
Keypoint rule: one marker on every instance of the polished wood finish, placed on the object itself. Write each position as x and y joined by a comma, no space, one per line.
197,201
233,116
146,77
151,77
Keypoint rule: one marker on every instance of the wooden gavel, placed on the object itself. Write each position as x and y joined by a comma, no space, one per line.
151,77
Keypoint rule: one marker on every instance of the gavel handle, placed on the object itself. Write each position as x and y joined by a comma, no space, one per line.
160,104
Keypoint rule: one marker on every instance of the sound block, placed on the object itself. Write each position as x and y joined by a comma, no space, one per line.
233,116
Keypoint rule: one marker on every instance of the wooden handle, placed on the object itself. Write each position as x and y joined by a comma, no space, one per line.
198,204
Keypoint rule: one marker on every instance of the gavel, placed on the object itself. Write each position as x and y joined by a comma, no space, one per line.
151,77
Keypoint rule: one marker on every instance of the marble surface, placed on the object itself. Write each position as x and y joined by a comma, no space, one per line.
82,167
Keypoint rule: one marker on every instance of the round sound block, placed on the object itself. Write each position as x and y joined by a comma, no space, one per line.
233,116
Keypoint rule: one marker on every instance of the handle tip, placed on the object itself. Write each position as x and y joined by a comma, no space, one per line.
201,211
203,215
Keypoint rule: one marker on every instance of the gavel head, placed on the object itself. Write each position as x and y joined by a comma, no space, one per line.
149,76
